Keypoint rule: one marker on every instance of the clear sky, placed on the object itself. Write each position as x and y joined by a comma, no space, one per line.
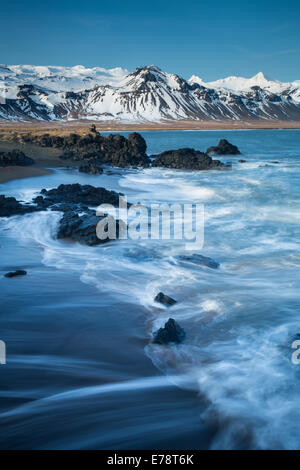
211,39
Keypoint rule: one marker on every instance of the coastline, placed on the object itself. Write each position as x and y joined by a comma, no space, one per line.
78,125
46,158
75,318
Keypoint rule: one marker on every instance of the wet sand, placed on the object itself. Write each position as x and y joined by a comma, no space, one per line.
64,335
45,158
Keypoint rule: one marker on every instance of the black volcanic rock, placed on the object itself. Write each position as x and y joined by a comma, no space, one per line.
19,272
10,206
186,159
164,299
68,156
171,333
223,148
137,145
80,227
114,149
76,194
78,222
121,152
15,158
91,168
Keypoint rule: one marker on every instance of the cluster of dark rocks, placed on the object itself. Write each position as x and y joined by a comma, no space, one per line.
95,150
191,159
78,222
15,158
186,159
76,194
10,206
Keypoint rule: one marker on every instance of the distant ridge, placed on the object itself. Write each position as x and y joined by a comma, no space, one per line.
148,94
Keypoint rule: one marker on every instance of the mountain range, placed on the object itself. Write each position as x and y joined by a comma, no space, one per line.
147,94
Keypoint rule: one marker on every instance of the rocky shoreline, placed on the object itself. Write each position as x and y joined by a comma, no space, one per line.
79,220
92,151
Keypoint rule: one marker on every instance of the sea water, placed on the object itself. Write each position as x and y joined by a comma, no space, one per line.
81,371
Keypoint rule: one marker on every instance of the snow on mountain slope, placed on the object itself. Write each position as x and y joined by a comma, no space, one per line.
59,78
241,84
147,94
236,83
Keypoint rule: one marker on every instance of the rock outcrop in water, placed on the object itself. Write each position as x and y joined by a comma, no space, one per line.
76,194
186,159
164,299
223,148
19,272
171,333
95,150
15,158
10,206
80,227
114,149
78,222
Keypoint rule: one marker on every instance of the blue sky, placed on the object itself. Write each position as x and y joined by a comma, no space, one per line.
211,39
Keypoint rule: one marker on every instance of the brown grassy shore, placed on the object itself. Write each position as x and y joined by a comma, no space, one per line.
45,158
64,127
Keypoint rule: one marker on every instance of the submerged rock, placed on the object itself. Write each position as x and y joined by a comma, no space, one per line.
164,299
186,159
19,272
15,158
242,161
10,206
171,333
223,148
92,168
200,260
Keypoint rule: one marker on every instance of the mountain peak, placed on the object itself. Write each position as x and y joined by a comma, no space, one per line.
147,68
260,76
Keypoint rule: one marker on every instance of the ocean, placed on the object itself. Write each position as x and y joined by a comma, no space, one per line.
81,371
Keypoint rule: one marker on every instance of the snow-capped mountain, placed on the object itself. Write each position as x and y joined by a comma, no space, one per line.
147,94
